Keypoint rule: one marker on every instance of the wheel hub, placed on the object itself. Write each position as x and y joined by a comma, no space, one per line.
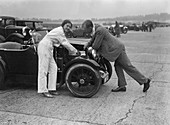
81,81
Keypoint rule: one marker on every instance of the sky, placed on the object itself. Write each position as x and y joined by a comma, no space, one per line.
81,9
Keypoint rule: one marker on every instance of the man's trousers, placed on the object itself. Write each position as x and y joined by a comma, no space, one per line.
123,63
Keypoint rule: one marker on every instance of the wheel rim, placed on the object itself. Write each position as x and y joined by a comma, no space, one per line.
83,80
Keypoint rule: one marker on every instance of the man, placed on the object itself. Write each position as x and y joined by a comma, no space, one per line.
117,29
114,50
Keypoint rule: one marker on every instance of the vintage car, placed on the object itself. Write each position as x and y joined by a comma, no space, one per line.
36,25
134,27
38,31
82,74
10,32
123,28
79,33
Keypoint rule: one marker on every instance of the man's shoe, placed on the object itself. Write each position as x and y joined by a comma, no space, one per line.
47,94
54,93
119,89
146,85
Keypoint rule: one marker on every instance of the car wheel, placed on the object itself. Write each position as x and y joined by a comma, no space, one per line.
108,67
83,80
125,31
2,77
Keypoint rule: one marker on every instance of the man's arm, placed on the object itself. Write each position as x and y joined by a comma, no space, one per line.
99,35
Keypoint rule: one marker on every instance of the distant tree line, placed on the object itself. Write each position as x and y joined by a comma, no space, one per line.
148,17
153,17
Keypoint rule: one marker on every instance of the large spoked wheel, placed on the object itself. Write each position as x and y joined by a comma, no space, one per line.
83,80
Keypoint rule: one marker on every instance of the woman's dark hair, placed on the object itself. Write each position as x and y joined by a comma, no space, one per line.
87,24
65,22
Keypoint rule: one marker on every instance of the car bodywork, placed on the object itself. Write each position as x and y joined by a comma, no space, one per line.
36,25
82,75
37,28
10,32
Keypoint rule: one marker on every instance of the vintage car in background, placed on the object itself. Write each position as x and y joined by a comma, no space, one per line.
82,74
134,26
10,32
79,33
110,29
36,25
123,28
38,31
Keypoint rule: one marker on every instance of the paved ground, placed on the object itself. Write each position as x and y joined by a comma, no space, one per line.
148,51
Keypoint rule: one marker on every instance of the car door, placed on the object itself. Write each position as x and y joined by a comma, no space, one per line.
22,61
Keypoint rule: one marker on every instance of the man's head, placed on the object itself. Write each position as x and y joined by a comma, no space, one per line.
88,25
67,25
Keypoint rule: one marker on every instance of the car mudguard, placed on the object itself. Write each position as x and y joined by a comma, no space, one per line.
18,35
79,59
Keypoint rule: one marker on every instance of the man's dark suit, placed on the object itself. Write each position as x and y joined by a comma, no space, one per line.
113,50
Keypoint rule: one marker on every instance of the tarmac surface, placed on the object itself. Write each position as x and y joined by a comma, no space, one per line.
148,51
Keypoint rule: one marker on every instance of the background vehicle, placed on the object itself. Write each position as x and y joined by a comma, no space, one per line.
10,32
83,74
134,27
36,27
124,29
79,32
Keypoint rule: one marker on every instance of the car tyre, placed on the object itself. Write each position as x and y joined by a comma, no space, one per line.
108,67
83,80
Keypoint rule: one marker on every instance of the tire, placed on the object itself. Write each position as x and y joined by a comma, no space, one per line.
125,31
108,67
83,80
2,77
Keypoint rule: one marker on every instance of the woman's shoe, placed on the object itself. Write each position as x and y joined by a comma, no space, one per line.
47,94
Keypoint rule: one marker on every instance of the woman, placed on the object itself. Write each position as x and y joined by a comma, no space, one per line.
114,50
47,64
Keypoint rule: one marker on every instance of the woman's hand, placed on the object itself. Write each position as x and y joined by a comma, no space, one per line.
86,46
